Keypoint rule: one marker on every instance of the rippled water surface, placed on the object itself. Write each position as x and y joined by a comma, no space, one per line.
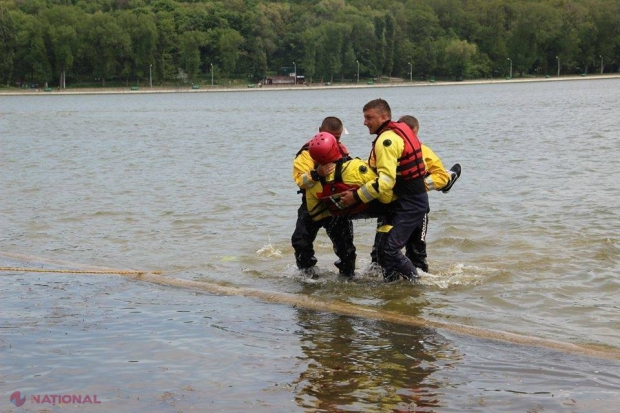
198,186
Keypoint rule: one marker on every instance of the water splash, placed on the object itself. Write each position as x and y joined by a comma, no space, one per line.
458,274
269,251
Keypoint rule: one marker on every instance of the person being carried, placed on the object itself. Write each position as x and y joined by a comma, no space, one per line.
323,198
306,174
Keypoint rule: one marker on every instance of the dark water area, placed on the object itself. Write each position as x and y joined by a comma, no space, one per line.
199,186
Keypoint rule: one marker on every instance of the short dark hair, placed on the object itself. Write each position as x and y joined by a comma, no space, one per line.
380,105
410,121
331,124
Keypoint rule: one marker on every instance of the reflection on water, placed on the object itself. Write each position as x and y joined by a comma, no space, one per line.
144,348
198,185
355,363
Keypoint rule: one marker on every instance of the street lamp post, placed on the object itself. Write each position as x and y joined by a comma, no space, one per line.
410,72
211,73
150,75
358,71
295,81
601,63
558,65
510,75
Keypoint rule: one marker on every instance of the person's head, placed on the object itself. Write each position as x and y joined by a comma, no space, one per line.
376,113
324,148
333,126
410,121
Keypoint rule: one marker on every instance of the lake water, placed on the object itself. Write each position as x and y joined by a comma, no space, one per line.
198,186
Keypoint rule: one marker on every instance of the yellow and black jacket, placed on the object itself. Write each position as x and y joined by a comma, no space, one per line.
396,158
354,173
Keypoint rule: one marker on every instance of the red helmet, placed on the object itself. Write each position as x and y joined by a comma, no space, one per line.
324,148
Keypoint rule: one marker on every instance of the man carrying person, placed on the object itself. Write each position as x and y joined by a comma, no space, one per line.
350,174
397,159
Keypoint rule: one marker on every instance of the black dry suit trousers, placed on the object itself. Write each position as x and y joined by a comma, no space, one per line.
340,232
405,216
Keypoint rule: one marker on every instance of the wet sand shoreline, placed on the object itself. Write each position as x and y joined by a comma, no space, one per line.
212,89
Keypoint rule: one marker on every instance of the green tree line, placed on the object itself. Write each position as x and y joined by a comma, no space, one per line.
72,41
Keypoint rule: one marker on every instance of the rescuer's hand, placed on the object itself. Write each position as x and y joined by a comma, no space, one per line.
347,198
324,170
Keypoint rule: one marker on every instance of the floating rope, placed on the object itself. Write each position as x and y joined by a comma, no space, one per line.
119,272
356,310
343,308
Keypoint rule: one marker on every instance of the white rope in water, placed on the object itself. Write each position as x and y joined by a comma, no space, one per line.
337,307
119,272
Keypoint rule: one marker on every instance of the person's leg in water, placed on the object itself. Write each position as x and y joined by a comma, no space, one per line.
303,238
340,232
379,211
415,249
408,213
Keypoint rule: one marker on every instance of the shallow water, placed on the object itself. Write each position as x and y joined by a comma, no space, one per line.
198,186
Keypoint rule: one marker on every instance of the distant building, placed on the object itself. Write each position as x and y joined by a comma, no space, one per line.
284,80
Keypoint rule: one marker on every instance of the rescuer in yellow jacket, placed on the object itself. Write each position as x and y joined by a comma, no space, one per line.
396,157
437,178
307,174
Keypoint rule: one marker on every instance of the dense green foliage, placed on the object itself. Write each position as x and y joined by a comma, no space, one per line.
74,41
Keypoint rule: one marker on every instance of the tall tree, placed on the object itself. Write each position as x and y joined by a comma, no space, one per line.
459,55
229,47
63,24
389,33
257,60
108,44
142,29
330,52
7,45
166,49
422,30
492,18
379,24
31,58
310,40
189,51
606,18
532,36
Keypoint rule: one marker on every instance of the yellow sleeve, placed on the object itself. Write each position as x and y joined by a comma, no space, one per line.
354,172
388,148
436,177
357,172
314,204
302,165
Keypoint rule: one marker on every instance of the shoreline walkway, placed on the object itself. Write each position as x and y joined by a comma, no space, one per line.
210,89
